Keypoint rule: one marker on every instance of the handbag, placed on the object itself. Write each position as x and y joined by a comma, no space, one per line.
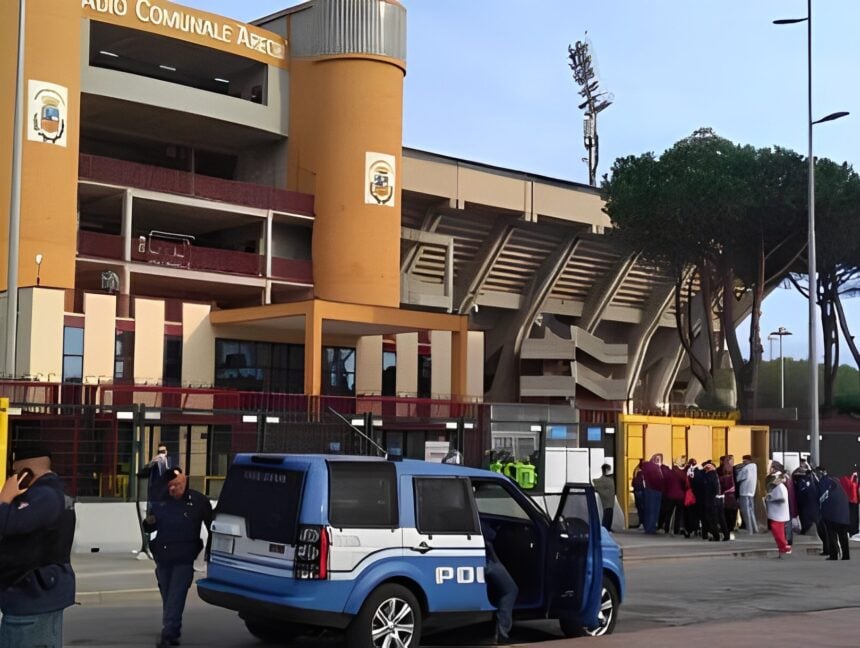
689,497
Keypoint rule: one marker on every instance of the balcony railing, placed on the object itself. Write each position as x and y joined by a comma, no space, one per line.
193,257
153,178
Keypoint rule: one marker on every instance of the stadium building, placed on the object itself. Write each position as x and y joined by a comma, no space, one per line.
224,245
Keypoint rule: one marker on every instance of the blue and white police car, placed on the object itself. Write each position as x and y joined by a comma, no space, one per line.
389,550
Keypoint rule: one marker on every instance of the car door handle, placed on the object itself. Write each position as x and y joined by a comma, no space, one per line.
423,548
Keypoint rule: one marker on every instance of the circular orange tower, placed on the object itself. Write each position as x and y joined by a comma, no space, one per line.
347,64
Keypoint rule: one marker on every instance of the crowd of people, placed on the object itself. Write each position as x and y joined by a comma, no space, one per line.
713,502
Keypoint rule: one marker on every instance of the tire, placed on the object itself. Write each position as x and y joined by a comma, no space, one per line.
272,632
607,616
386,603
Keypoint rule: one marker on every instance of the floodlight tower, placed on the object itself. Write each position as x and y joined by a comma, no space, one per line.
581,62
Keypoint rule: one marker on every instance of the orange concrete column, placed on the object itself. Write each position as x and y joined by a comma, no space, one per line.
313,351
459,363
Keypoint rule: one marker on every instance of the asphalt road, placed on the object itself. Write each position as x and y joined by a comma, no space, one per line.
661,595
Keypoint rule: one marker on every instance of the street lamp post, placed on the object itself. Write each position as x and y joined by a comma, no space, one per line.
781,332
811,270
15,202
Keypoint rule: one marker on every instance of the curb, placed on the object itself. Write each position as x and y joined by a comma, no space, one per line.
739,553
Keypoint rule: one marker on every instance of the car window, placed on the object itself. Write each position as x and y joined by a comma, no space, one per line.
445,505
575,507
268,498
574,512
493,499
362,494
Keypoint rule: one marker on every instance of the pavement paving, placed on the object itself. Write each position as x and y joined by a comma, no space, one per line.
113,577
831,628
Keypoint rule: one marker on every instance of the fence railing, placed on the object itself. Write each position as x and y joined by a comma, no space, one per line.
154,178
99,448
194,257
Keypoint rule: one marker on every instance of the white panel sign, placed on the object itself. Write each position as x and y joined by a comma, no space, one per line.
49,109
596,462
380,180
436,451
578,468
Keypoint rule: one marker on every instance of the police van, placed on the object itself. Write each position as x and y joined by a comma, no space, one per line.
388,550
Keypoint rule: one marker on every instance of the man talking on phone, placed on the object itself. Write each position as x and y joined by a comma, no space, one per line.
37,527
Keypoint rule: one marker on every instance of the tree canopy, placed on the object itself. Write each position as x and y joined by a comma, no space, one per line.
727,222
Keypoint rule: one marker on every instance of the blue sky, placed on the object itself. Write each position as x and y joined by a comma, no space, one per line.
488,80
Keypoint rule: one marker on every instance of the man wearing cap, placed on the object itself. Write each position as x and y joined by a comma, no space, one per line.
177,519
37,527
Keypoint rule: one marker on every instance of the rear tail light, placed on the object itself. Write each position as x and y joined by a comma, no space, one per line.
311,558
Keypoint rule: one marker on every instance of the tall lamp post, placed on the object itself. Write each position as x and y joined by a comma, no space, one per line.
15,202
811,271
781,332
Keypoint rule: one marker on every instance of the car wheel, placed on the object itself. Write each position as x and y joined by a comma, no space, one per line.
389,618
273,632
606,615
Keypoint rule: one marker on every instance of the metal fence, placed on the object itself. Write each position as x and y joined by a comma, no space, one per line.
100,442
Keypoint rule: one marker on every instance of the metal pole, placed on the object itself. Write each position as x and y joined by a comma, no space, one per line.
15,202
781,376
811,271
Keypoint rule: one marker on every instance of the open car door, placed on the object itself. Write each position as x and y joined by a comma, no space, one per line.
574,556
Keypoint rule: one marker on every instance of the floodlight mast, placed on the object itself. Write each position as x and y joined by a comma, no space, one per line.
595,101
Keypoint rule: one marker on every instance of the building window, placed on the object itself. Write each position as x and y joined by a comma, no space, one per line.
338,371
73,354
389,373
172,371
424,376
259,366
123,366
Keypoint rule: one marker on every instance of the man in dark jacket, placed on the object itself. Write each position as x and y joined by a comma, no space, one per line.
808,495
715,512
834,511
653,495
178,520
37,526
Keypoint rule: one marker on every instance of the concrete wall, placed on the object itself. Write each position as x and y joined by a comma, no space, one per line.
198,346
110,527
40,333
148,341
640,437
462,182
407,364
368,365
440,364
99,337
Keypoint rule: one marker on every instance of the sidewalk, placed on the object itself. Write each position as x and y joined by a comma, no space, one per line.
110,577
639,546
117,577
